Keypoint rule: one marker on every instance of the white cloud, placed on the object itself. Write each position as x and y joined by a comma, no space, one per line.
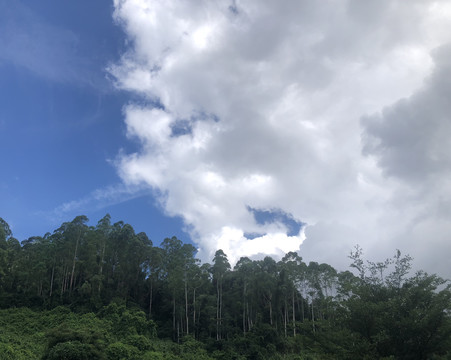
271,96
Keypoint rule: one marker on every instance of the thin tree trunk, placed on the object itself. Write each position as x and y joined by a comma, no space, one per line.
101,267
244,309
249,319
186,306
194,311
64,281
73,263
302,308
150,298
220,312
173,314
294,315
270,309
62,285
313,318
51,280
285,316
178,332
218,304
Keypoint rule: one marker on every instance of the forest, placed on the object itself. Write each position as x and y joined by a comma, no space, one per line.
106,292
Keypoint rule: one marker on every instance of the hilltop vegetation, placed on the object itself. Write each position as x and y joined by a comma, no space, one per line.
105,292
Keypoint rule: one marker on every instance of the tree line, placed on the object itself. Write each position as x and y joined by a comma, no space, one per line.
257,310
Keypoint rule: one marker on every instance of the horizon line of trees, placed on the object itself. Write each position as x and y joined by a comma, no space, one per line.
379,312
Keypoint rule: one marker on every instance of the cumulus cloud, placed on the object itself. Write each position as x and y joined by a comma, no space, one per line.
309,109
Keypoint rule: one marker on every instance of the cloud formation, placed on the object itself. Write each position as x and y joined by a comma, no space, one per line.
333,113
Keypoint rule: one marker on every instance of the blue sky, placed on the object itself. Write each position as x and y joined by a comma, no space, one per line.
254,127
61,121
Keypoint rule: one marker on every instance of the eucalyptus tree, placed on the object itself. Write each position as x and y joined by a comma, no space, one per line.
244,272
200,277
9,257
266,283
34,266
126,255
13,254
153,266
67,240
77,229
5,234
103,231
292,273
178,259
219,269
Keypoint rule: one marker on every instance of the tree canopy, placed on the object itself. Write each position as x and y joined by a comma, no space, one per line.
105,292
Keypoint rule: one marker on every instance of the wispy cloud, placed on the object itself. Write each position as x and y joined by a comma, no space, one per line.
97,200
48,51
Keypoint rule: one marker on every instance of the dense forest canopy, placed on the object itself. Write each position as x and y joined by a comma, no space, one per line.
105,292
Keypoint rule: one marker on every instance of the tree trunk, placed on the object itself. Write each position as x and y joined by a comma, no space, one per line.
294,315
173,314
302,308
73,263
64,281
178,332
220,312
51,280
244,309
313,318
218,304
101,267
194,311
150,298
285,318
270,310
186,306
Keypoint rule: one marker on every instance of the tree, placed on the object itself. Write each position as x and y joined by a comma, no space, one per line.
220,267
403,317
244,270
77,229
153,267
5,231
5,234
178,259
292,273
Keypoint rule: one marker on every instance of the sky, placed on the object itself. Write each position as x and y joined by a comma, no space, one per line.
256,127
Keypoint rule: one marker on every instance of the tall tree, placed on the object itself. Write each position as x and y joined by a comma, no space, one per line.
178,258
244,270
75,231
294,269
220,267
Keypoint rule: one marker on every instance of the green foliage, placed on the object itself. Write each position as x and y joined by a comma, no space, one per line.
124,321
121,351
398,316
69,342
140,342
102,292
8,352
73,350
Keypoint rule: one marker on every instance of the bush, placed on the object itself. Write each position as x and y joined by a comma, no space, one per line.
64,342
73,350
139,341
121,351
